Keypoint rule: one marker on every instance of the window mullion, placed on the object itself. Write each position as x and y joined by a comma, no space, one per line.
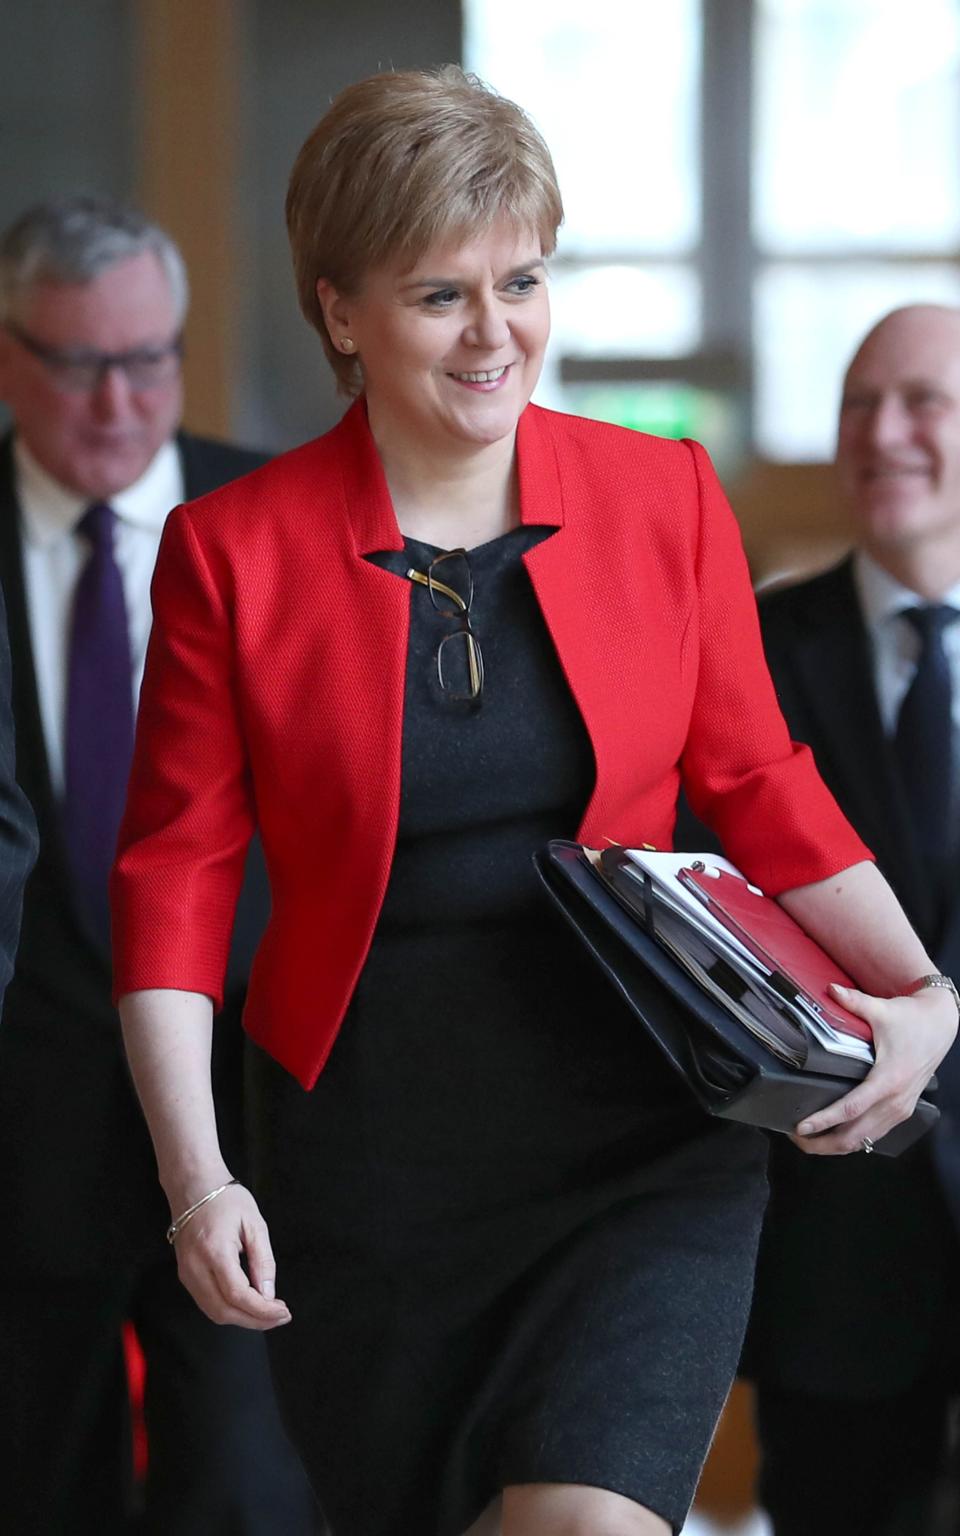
727,257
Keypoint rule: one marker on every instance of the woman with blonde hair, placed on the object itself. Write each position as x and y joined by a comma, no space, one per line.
516,1255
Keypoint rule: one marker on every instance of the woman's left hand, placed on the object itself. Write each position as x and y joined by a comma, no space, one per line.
911,1036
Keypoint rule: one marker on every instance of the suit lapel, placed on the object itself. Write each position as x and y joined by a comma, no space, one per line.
194,481
33,770
202,466
834,672
948,950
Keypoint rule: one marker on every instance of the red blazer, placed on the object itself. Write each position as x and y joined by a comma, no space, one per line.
274,695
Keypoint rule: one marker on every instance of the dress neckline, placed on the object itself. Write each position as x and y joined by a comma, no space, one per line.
500,539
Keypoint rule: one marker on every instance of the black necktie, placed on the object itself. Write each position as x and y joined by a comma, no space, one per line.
924,738
99,719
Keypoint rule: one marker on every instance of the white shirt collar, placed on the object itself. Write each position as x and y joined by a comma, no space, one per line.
50,510
882,596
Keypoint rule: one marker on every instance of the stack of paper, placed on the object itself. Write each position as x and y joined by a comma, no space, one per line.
744,950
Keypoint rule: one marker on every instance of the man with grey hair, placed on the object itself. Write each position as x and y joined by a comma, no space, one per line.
92,305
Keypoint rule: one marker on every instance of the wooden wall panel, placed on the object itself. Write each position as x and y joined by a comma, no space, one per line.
188,65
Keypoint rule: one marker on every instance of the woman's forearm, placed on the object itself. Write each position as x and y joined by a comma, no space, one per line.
858,920
167,1035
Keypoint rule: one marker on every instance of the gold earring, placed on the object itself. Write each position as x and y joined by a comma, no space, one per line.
347,343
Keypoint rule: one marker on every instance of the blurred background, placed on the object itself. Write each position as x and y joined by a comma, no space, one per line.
749,184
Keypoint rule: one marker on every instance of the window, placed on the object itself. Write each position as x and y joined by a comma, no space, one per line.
749,184
856,193
615,89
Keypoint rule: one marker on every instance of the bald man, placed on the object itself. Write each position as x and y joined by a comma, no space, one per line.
854,1337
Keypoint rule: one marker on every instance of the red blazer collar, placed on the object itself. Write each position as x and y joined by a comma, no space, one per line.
541,496
370,513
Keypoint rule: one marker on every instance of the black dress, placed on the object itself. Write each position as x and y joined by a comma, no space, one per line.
514,1249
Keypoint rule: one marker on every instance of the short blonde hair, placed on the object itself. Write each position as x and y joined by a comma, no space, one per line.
402,162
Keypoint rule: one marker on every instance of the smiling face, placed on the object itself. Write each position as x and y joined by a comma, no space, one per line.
898,447
451,350
95,442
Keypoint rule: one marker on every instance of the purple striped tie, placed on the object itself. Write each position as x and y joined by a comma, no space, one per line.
99,720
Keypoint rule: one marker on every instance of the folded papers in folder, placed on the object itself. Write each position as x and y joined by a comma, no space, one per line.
744,950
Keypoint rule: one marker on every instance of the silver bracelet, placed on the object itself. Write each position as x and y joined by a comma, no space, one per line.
937,979
176,1227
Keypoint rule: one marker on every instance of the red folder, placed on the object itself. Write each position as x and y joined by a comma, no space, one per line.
780,944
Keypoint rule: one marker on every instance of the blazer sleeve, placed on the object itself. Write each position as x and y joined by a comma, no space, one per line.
759,791
18,828
190,812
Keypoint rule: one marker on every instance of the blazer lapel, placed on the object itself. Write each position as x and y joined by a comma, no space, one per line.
206,465
834,671
33,770
195,482
577,578
948,949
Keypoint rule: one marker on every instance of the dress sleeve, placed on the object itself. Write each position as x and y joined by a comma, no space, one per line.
189,814
759,791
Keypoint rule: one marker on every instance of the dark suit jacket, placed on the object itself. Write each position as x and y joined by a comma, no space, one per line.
78,1182
857,1252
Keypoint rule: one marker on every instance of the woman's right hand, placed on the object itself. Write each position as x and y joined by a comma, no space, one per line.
209,1250
168,1035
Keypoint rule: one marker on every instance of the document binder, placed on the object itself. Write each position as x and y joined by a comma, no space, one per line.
746,950
759,1059
778,942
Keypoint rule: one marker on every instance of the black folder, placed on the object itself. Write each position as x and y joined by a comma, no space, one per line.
732,1073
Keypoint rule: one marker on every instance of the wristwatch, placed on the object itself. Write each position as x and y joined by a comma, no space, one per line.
937,979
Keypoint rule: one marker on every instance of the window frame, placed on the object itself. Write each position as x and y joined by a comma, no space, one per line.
727,259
